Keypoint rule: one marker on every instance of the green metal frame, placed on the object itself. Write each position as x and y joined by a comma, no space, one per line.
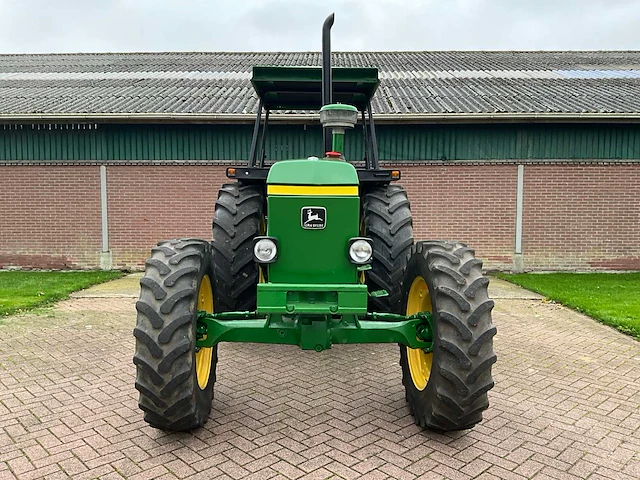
315,332
314,299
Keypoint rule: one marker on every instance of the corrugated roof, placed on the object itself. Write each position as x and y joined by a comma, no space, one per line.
411,82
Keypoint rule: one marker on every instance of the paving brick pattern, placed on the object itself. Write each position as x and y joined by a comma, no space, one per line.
565,406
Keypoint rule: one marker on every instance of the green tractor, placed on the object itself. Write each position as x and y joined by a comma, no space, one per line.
314,252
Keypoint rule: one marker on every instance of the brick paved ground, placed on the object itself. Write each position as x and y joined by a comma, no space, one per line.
565,406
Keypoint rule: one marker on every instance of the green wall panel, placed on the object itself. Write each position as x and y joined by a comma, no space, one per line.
395,142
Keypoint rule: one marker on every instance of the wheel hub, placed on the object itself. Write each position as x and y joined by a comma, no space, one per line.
204,355
420,362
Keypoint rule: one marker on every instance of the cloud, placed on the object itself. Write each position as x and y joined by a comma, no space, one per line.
294,25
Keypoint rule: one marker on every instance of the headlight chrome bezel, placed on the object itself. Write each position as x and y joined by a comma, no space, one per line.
256,241
356,261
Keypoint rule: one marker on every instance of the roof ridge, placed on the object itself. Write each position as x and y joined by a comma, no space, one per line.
355,52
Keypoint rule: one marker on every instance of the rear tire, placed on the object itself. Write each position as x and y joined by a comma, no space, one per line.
237,221
387,221
176,283
456,388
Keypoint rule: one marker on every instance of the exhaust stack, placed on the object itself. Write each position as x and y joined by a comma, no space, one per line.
327,77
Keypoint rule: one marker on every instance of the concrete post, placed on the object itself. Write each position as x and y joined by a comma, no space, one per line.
106,261
518,258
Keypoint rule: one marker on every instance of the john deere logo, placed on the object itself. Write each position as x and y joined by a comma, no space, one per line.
313,218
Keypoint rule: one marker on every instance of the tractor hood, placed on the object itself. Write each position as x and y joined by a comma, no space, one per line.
312,172
313,210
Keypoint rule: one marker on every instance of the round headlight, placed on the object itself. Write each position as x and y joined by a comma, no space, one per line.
360,251
265,250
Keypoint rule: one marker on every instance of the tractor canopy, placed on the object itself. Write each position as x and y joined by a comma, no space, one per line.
300,88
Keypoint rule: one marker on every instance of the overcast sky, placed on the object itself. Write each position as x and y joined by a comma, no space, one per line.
28,26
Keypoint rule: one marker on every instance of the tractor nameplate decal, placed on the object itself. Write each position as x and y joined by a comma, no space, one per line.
313,218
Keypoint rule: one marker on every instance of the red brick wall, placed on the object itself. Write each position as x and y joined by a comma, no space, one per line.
575,216
147,204
50,216
470,203
581,216
179,201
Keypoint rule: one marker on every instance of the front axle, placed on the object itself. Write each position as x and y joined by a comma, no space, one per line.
315,332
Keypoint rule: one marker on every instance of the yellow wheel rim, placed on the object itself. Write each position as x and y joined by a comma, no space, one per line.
204,355
419,362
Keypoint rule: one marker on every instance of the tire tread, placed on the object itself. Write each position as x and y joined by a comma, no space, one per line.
238,215
165,336
387,221
456,393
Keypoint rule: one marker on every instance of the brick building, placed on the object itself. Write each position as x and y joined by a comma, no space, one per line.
531,157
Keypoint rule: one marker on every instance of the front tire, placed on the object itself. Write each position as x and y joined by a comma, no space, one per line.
175,380
447,389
